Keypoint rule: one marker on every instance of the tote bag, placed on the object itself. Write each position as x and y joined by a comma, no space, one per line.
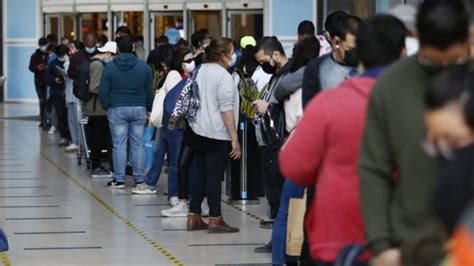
295,232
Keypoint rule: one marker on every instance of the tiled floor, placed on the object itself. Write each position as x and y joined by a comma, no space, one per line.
54,214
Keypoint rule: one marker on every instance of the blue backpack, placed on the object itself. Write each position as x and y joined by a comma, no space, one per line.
3,241
170,101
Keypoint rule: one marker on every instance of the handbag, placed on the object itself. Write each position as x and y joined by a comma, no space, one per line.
187,104
156,115
295,232
3,242
272,133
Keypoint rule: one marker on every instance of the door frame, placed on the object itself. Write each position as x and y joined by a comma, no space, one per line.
231,12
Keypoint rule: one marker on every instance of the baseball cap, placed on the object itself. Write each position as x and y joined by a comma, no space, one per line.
109,47
247,40
173,36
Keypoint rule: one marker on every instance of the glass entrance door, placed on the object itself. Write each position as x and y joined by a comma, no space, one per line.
162,21
131,19
95,23
52,24
210,20
242,23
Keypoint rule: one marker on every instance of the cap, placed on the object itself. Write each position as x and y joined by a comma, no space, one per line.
173,36
405,13
109,47
247,40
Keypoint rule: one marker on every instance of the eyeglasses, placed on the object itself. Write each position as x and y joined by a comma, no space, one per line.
188,61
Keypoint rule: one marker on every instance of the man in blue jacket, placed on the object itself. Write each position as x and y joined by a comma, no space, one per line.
126,93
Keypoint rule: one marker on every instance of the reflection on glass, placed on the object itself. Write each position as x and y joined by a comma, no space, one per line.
210,20
68,26
54,25
94,23
164,22
246,24
133,20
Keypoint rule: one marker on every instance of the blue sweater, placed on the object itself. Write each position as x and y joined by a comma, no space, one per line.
126,81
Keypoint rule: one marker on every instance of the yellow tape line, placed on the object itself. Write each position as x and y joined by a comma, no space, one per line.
137,231
4,258
256,217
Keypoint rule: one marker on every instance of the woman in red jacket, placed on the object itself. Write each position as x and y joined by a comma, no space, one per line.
323,150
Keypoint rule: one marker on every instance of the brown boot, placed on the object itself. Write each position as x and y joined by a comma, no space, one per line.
195,223
218,226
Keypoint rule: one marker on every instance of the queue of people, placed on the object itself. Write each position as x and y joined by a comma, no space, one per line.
370,123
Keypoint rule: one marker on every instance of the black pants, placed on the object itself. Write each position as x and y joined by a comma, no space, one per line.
185,161
100,139
272,179
59,104
211,168
41,92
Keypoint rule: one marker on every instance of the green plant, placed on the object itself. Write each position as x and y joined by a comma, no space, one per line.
156,77
249,92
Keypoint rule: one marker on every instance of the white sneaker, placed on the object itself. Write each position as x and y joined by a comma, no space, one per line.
72,148
174,201
52,130
204,208
143,189
179,210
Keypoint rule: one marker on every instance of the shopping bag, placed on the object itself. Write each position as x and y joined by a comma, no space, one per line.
147,137
295,232
3,241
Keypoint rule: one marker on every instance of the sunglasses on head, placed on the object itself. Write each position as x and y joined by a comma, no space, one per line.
188,61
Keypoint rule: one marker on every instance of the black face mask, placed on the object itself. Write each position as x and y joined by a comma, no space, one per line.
351,59
269,69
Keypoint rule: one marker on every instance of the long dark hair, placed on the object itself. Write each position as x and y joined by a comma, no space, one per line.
177,61
247,64
304,52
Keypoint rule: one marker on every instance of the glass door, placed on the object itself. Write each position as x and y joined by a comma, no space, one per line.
162,21
131,19
69,25
210,20
52,24
242,23
93,23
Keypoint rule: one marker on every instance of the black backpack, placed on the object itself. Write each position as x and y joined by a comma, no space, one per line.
80,84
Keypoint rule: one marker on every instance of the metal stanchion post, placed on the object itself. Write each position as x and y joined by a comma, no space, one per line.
244,199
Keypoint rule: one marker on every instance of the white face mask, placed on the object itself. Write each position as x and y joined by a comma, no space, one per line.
412,45
90,50
43,48
189,67
233,61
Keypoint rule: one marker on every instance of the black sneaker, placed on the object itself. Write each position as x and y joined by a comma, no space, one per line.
100,172
116,184
267,248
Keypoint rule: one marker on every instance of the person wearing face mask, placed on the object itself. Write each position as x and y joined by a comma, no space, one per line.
169,141
83,55
273,60
38,65
97,124
214,134
200,40
330,70
55,79
398,214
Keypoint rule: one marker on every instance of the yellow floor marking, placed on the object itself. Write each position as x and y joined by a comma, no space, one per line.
137,231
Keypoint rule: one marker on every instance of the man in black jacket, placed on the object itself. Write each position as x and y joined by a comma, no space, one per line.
38,65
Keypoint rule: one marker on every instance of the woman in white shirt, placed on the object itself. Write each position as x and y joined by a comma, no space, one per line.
214,134
169,141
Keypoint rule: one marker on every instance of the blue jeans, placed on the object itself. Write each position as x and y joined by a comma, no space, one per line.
128,124
169,142
290,190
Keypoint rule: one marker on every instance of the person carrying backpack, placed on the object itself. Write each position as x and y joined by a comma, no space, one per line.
98,124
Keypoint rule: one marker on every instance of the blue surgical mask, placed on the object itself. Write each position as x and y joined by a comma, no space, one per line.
233,61
90,50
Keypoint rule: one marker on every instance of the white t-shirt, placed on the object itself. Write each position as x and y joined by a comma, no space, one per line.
217,94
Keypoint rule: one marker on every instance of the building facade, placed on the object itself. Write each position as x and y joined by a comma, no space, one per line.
24,21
